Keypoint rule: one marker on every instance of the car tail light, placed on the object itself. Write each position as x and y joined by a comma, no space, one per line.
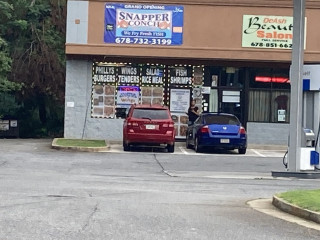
133,124
242,130
170,125
204,129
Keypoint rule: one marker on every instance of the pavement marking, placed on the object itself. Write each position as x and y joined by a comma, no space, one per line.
256,152
265,206
117,148
182,149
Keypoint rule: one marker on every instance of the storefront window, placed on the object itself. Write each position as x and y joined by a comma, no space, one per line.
269,95
184,83
115,86
231,77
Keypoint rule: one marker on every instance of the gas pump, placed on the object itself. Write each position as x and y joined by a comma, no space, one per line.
311,119
307,150
309,157
309,154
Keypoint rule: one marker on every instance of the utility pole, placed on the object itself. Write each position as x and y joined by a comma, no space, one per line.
295,128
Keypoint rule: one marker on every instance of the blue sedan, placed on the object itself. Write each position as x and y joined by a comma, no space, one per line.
217,130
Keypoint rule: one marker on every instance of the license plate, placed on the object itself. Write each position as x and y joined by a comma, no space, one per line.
150,127
224,141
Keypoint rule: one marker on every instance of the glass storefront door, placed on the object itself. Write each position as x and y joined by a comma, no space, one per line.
230,102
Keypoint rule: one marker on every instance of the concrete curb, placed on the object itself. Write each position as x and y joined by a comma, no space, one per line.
80,149
295,210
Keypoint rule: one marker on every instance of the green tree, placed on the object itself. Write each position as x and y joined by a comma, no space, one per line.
8,104
5,59
36,36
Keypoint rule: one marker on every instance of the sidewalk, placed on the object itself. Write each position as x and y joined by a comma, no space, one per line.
266,206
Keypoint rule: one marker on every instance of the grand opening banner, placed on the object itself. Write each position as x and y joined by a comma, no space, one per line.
143,24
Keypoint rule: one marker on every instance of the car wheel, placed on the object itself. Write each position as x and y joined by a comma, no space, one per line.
242,150
126,147
197,147
170,148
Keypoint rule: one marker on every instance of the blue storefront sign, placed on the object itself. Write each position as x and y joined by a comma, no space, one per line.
143,24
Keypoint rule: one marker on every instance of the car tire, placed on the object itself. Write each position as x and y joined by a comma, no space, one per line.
242,150
197,147
126,147
170,148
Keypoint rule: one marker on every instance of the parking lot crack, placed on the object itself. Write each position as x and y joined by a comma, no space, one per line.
3,163
162,168
94,210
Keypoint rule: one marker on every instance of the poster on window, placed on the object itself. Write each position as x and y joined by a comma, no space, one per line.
180,124
268,31
128,75
181,75
143,24
127,97
104,74
179,100
152,95
152,75
103,101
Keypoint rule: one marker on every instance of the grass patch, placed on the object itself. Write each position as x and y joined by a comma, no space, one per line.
308,199
80,143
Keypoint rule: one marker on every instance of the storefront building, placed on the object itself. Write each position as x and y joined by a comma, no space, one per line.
229,56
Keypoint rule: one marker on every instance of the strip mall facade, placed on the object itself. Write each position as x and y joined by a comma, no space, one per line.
229,56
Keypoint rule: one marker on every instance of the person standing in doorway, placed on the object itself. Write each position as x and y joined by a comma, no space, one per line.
192,112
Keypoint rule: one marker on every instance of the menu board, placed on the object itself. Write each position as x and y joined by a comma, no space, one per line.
179,100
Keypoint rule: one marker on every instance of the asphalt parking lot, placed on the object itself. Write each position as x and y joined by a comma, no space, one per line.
62,194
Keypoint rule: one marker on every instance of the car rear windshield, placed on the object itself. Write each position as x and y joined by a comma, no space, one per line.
221,119
150,113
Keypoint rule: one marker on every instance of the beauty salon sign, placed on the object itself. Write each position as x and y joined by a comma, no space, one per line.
267,31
